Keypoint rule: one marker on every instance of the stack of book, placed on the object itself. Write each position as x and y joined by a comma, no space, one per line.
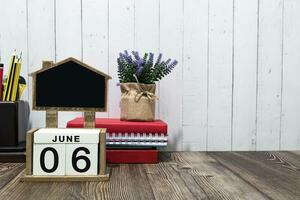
130,142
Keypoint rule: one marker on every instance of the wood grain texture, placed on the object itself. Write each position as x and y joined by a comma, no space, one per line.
206,179
47,64
102,152
51,118
69,178
12,157
29,151
89,119
9,171
180,175
268,172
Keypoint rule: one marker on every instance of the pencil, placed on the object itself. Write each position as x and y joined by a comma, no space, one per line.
1,78
15,82
7,89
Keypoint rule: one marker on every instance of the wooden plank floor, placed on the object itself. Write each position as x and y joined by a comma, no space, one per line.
180,175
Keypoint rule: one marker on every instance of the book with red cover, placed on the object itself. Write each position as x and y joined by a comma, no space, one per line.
118,126
136,156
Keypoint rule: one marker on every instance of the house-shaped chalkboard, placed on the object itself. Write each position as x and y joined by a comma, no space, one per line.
69,85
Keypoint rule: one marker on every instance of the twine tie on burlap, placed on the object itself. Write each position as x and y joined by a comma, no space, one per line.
143,92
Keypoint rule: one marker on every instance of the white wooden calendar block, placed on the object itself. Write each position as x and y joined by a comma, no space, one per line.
66,152
49,159
66,155
81,159
52,135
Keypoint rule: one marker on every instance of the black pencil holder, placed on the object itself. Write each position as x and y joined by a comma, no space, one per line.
14,119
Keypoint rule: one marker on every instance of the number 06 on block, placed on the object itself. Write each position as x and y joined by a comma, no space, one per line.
66,155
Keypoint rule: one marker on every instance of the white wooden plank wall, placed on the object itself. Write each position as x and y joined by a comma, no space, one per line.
95,36
68,29
171,35
195,75
269,74
220,66
41,19
290,128
244,75
13,33
236,86
121,37
146,30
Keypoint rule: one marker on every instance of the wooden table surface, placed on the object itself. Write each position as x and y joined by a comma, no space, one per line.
180,175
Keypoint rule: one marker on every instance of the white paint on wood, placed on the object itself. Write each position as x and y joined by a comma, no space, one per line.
121,37
290,126
194,138
171,41
41,45
95,36
195,74
68,41
220,74
13,35
146,27
96,31
245,65
49,159
87,158
269,74
146,31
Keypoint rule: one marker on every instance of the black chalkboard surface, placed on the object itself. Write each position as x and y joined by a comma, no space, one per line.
70,85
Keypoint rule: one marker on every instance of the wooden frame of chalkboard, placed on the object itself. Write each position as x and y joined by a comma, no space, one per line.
49,65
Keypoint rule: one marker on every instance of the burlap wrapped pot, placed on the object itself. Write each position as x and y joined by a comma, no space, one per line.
137,102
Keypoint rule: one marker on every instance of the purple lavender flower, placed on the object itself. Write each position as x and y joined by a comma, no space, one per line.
120,64
173,64
143,67
121,55
158,59
150,61
136,55
128,57
140,67
126,52
167,62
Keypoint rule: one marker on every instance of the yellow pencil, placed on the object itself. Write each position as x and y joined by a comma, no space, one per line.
7,89
16,80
